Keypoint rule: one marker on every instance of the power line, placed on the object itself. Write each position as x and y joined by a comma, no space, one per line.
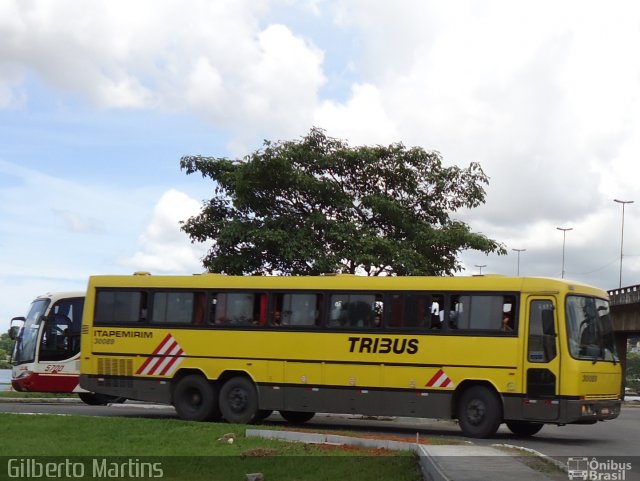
595,270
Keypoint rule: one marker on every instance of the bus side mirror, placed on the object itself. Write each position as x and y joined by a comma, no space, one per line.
14,330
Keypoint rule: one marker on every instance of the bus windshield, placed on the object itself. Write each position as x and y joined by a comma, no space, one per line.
589,329
27,341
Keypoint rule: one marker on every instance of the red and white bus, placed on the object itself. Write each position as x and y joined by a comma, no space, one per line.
46,354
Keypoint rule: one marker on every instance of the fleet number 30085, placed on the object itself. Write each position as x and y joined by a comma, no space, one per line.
102,340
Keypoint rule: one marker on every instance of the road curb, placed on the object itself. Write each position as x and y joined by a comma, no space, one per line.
40,400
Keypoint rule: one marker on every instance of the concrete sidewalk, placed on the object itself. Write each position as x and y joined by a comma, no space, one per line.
463,462
479,463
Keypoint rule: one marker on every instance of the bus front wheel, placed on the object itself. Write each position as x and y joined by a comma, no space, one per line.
196,399
239,401
479,412
524,429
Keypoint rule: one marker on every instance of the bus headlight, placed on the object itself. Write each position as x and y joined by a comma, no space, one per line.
587,410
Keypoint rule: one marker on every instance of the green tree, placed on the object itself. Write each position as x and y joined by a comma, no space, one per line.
633,371
318,205
6,346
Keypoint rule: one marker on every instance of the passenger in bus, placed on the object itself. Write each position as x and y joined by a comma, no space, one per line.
507,325
277,318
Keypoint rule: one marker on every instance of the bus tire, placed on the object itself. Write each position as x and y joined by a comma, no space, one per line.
196,399
524,429
479,412
296,417
239,401
97,399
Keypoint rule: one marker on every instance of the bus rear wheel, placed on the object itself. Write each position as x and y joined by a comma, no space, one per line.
196,399
239,401
296,417
479,412
524,429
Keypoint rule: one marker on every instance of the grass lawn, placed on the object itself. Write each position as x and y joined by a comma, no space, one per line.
189,450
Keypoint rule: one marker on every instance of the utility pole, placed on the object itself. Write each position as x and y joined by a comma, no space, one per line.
518,251
480,267
564,239
623,202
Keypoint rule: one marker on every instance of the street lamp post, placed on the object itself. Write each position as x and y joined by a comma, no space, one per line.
564,239
623,202
519,251
480,267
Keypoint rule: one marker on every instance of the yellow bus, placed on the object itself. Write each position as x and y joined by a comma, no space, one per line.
484,350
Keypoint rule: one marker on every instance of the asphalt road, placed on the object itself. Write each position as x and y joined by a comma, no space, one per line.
605,440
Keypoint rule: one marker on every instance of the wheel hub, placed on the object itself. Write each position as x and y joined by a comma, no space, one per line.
476,411
238,399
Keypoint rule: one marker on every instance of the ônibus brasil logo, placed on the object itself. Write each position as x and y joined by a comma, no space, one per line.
592,469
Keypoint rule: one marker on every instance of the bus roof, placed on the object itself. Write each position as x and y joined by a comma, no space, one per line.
54,296
351,282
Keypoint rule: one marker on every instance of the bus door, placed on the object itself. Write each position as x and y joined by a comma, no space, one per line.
541,362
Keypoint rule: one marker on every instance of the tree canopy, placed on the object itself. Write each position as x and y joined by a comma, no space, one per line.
317,205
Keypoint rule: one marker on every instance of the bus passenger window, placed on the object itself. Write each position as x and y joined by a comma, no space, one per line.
238,309
482,312
355,310
173,307
411,311
118,307
299,309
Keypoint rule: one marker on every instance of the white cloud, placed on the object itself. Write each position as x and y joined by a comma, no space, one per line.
163,247
214,59
362,119
79,223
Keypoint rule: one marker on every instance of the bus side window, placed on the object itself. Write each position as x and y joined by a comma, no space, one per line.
355,310
296,309
482,312
239,309
120,307
175,307
411,311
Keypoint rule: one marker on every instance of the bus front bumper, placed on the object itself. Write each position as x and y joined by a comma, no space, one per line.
589,411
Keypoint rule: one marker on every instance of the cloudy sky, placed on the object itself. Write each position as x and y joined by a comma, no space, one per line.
99,100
